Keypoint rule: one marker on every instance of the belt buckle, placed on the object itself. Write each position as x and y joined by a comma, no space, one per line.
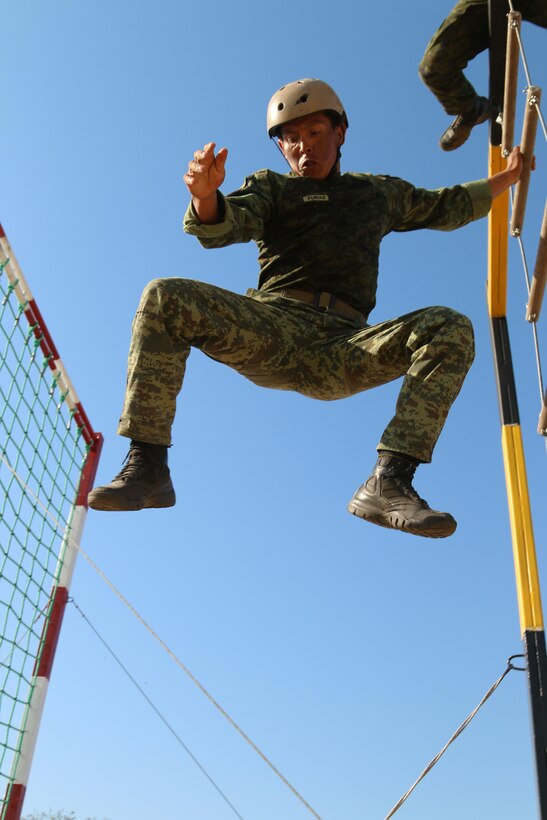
323,304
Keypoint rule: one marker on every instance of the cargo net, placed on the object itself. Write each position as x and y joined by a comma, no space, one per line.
42,454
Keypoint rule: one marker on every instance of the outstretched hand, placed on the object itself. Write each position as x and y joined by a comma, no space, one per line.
511,174
206,172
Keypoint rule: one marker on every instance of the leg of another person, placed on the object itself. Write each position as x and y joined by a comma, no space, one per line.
462,36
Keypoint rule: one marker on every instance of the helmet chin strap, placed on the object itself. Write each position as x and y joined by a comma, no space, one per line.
275,140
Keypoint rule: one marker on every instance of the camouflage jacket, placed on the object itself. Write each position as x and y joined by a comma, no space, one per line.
324,235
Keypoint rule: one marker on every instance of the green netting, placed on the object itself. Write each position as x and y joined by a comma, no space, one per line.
46,451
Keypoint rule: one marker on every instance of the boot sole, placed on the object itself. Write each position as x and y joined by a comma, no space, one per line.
107,502
393,521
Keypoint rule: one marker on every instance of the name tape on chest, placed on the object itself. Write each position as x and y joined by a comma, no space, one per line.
316,198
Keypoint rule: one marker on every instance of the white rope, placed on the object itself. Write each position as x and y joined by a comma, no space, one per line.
456,734
534,324
162,643
527,71
154,707
521,47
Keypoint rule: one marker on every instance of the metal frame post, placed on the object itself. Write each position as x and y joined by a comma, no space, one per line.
524,554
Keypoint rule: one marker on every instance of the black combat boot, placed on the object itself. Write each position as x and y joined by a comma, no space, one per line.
388,498
143,481
458,132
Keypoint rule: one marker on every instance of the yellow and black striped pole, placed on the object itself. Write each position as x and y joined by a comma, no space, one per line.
524,553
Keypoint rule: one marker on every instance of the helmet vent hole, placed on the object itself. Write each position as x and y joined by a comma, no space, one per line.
281,106
302,99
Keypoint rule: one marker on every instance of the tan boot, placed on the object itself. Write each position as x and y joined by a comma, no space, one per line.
458,131
388,499
144,481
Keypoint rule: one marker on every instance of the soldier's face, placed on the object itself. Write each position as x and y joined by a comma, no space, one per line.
310,145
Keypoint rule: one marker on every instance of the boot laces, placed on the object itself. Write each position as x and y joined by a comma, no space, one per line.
408,490
401,473
134,462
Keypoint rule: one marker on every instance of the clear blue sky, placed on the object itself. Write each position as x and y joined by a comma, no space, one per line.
348,653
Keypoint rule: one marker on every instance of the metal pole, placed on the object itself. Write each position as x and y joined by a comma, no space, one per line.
524,554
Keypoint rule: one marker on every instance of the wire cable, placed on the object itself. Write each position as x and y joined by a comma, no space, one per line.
162,643
154,707
521,49
519,235
534,324
456,734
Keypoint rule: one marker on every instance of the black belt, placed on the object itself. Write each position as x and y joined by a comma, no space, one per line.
327,301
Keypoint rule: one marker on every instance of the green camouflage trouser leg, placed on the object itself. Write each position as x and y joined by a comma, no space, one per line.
463,35
288,345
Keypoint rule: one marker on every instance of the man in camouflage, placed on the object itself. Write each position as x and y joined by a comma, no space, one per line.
463,35
306,326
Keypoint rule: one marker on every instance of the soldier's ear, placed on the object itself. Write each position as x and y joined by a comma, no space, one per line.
280,146
341,134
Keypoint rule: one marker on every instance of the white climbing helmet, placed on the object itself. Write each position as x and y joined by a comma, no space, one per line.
299,98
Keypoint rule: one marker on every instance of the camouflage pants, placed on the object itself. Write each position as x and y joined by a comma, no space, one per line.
463,35
288,345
